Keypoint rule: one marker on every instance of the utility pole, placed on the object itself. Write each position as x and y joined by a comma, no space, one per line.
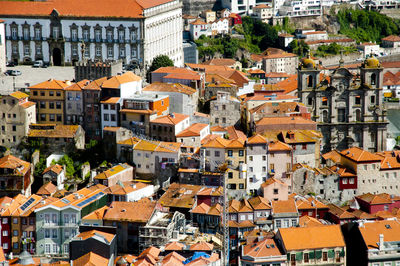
225,222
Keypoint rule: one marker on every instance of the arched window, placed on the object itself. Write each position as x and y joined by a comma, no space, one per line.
373,79
358,115
310,81
325,117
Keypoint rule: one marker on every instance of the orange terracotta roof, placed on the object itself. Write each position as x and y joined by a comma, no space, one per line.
278,146
286,120
198,22
277,75
347,40
50,84
78,197
169,119
88,234
91,259
136,111
256,71
183,76
210,191
27,104
259,203
47,189
375,199
202,246
289,84
179,196
97,214
285,35
19,166
138,211
343,171
314,32
95,84
192,131
125,188
58,131
74,8
267,88
19,95
257,139
271,181
115,82
111,100
283,55
340,213
218,129
314,237
170,87
56,168
111,129
77,86
309,203
307,221
262,249
333,155
174,246
359,155
173,259
284,206
190,170
391,38
220,62
113,171
173,69
370,231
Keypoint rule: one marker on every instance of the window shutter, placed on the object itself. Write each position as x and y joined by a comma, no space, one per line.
318,254
331,254
299,256
311,255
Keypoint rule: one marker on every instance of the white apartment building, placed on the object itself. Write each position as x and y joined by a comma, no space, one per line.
298,8
61,32
199,27
243,7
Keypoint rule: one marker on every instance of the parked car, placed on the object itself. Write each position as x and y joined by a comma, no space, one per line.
38,63
10,64
15,73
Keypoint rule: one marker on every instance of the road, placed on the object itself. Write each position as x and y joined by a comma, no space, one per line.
31,76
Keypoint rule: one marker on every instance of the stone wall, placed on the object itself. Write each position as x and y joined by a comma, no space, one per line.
195,7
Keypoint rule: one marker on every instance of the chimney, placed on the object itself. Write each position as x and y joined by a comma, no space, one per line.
380,241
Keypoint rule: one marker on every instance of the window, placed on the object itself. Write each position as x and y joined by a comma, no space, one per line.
373,79
98,50
250,158
73,218
66,218
54,235
110,51
306,258
85,35
304,147
278,223
230,153
5,245
74,34
372,99
241,186
58,105
46,233
207,153
54,248
216,153
15,220
325,256
52,118
230,175
15,245
250,169
264,158
5,233
264,169
38,49
272,167
54,218
133,51
27,50
66,248
14,32
324,101
47,218
56,32
341,115
97,34
106,117
51,105
14,128
121,35
66,233
75,50
59,118
276,191
47,248
357,100
241,153
26,33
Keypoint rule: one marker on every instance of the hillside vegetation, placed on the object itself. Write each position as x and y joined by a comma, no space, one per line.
366,26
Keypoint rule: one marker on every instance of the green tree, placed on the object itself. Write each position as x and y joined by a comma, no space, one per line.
69,165
158,61
39,167
299,47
